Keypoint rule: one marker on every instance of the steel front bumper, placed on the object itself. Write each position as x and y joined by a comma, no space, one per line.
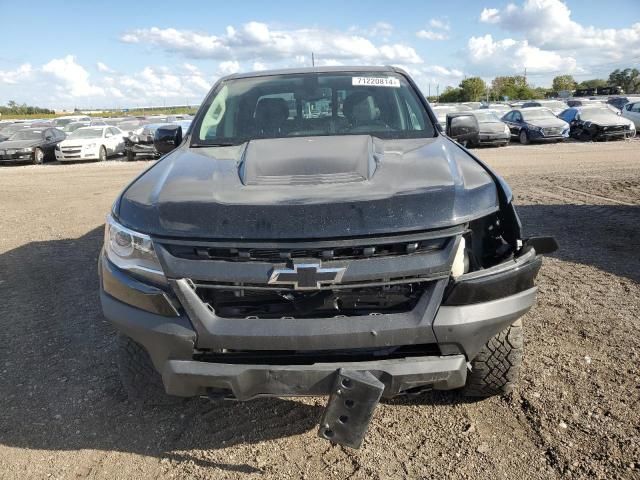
148,315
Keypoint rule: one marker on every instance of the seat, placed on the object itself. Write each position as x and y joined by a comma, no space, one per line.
270,116
361,112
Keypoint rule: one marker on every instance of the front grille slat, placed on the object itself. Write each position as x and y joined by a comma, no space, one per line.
275,255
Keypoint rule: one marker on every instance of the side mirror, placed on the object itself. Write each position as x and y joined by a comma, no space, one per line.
167,138
462,127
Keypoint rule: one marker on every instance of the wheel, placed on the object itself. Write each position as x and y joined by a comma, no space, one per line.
141,381
495,369
38,156
130,156
524,138
102,156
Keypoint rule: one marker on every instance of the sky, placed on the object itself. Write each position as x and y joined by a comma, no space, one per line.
126,54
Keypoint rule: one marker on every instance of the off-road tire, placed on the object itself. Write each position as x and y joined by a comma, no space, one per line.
495,369
141,381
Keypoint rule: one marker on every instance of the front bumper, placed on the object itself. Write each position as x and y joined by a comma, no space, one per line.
172,335
494,138
141,148
80,155
16,157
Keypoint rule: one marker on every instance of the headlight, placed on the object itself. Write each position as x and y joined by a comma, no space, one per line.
131,251
58,147
26,150
460,264
506,129
535,129
91,145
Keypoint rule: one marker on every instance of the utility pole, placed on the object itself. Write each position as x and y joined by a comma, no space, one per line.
438,92
313,60
429,90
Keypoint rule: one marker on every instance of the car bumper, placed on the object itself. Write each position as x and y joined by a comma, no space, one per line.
473,311
76,157
494,138
16,157
142,149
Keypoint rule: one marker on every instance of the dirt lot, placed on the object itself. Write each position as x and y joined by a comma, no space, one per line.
63,413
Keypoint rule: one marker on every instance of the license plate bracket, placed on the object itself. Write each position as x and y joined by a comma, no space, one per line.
350,407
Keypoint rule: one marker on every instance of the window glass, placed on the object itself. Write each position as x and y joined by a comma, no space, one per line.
313,104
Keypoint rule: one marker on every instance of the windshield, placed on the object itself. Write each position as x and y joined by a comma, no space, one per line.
61,122
72,127
554,104
599,111
537,114
27,134
87,133
312,104
13,128
487,116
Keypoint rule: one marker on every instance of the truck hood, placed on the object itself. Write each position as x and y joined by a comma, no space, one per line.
309,188
80,141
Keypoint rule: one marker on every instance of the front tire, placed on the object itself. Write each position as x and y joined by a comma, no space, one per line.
141,381
102,155
495,370
524,137
38,156
130,156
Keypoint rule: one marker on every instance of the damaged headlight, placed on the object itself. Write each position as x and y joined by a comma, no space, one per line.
132,251
461,260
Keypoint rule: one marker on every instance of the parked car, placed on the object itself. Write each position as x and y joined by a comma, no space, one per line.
91,143
493,131
597,122
61,122
73,126
140,142
359,255
500,108
536,124
632,112
441,111
10,128
556,106
35,145
621,101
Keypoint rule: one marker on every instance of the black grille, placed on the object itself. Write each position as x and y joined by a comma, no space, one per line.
309,357
276,255
276,303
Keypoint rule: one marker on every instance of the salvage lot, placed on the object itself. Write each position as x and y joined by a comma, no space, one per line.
64,414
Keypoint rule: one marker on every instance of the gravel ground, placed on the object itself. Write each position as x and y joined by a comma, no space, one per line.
575,414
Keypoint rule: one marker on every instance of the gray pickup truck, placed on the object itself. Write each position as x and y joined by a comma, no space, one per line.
315,232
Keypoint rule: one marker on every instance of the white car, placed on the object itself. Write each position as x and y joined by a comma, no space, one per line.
632,111
91,143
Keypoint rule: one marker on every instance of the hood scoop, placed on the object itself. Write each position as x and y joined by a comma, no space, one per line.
309,160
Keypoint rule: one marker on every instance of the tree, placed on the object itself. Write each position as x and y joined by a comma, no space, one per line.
451,94
628,79
472,89
515,87
563,82
593,83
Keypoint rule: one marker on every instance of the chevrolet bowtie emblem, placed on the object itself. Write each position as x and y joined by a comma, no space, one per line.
306,276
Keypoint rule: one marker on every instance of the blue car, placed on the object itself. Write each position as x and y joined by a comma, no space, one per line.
536,124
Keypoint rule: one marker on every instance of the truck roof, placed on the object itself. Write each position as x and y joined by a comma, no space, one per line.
334,69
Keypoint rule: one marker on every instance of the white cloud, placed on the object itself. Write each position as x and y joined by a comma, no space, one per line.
102,67
547,24
74,78
440,24
431,35
490,15
257,66
439,30
228,67
23,72
510,56
256,40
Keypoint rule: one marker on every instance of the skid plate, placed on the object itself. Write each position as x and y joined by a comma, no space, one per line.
350,408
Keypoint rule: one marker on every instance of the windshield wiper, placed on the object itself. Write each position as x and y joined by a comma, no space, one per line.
218,144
